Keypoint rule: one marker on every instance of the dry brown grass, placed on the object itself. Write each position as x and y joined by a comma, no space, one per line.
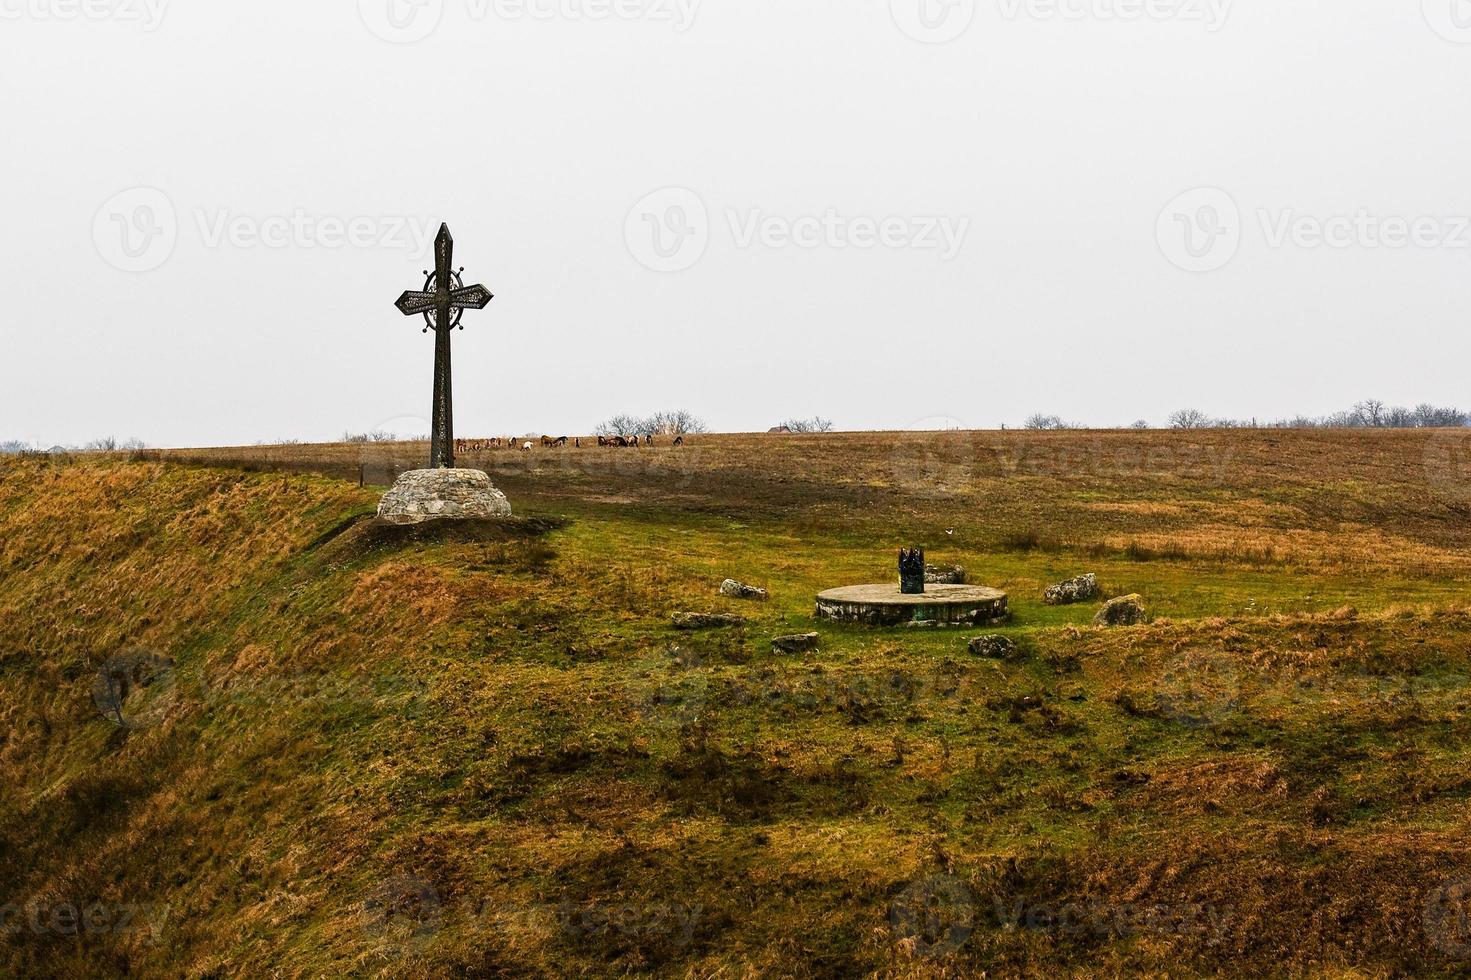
1394,499
1259,783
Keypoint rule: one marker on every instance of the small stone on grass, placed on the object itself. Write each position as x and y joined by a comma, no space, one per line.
732,589
1126,610
1080,589
994,646
705,621
796,643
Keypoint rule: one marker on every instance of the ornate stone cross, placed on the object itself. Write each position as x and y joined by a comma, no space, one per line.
443,301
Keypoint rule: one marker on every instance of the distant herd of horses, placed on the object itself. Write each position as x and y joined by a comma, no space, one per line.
463,446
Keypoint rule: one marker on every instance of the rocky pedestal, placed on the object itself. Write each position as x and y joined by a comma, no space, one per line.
428,495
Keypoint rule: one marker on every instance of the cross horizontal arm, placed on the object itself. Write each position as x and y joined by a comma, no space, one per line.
471,298
412,302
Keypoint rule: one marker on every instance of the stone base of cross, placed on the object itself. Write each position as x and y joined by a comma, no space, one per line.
442,494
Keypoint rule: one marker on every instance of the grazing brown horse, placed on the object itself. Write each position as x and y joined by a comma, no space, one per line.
560,443
679,441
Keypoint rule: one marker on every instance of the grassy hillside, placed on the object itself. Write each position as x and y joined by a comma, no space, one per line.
346,752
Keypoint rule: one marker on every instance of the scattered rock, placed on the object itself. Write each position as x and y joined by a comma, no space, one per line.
736,590
705,621
796,643
994,646
1126,610
1080,589
944,575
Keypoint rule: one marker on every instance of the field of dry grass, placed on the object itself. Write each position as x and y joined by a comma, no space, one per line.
486,753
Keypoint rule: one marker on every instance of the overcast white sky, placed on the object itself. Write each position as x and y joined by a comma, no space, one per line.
753,209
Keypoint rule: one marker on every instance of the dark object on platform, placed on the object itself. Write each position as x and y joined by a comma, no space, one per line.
796,643
705,621
443,301
911,571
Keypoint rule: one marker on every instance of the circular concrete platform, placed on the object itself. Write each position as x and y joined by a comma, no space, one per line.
941,605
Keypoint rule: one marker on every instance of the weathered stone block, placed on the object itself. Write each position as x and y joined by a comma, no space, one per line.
1080,589
732,589
994,646
705,621
1126,610
944,575
427,495
796,643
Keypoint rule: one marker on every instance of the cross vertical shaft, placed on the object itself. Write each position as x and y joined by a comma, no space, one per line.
442,441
